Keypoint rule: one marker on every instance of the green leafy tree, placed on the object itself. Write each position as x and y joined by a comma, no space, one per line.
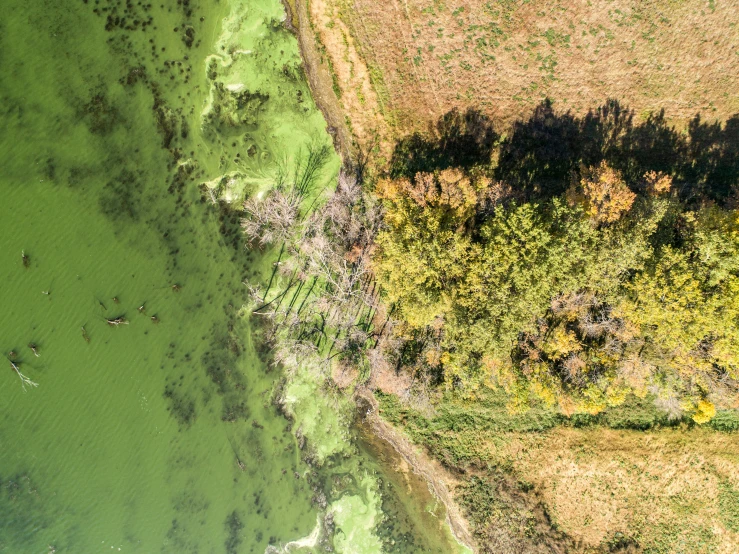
579,301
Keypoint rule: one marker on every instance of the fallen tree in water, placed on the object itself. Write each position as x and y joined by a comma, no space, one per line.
24,380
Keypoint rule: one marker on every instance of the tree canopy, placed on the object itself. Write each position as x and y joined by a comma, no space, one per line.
609,289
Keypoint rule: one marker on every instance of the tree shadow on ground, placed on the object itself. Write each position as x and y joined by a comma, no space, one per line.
539,154
457,140
542,151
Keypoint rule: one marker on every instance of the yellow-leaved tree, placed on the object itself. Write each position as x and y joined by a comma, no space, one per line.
576,301
602,192
425,248
686,307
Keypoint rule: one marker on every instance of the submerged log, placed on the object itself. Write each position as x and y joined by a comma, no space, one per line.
34,349
120,320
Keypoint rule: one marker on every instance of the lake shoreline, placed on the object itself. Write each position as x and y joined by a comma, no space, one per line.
319,80
438,479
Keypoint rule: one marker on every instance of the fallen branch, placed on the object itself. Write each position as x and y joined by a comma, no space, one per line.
24,380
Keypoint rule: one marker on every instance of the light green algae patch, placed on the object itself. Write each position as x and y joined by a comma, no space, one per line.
154,434
321,417
259,105
356,517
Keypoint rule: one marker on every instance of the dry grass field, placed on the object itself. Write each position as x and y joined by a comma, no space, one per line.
424,57
535,483
667,490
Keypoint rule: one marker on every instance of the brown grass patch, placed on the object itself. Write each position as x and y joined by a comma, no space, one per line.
350,79
660,488
425,57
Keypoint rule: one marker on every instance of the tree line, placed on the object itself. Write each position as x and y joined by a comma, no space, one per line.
613,287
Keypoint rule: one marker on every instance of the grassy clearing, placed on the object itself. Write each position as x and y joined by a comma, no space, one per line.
626,479
505,57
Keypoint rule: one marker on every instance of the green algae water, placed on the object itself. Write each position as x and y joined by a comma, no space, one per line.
123,127
155,434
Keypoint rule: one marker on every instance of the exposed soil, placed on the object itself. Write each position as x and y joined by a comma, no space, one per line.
319,76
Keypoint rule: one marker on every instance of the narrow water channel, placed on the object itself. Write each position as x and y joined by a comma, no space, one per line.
152,427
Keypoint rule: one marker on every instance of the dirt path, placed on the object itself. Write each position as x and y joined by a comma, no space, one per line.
319,78
439,480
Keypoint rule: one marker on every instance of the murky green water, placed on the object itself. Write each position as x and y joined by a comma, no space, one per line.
156,434
132,440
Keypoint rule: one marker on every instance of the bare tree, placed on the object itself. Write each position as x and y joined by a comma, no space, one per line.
272,219
329,299
668,400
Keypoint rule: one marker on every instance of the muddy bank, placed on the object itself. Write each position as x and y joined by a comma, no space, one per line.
318,76
440,482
